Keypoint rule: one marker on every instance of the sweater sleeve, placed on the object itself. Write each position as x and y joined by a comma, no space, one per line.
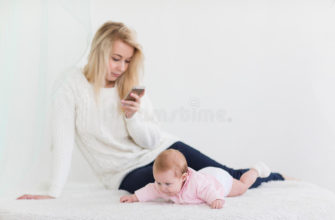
62,137
147,193
143,126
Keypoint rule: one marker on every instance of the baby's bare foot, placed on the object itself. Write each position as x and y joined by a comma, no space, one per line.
289,178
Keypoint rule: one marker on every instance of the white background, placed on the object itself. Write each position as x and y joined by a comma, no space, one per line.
242,81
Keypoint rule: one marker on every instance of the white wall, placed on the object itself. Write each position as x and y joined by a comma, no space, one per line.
262,71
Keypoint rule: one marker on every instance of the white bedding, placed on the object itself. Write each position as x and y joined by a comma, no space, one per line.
274,200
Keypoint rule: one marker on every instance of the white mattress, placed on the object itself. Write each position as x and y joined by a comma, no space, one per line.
273,200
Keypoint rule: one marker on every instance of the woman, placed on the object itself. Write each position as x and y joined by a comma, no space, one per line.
119,138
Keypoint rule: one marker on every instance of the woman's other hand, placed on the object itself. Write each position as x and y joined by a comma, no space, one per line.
26,196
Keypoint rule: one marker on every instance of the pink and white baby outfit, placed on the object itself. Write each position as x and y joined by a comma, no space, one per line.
205,185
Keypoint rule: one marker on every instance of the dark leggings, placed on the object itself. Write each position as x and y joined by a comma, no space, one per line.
141,176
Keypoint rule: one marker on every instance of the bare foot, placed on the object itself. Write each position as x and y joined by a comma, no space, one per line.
289,178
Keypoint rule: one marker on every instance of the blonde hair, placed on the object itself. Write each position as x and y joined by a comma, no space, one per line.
101,49
171,159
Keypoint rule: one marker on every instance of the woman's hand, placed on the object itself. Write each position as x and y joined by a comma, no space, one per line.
131,107
129,198
26,196
217,204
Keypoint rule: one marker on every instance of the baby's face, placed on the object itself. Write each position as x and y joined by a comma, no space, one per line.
167,182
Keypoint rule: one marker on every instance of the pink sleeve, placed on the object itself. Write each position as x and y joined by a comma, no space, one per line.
207,192
147,193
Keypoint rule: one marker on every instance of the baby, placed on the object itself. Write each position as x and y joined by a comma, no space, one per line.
177,182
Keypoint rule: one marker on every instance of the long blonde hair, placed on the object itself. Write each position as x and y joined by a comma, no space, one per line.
101,49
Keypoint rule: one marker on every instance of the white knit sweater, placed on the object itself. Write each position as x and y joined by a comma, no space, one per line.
112,144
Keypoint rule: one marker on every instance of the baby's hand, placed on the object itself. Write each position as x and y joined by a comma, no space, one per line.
129,198
217,204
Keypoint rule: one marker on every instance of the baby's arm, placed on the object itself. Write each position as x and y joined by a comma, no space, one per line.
217,204
207,192
129,198
146,193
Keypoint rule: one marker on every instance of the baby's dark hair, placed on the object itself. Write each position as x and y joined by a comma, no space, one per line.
171,159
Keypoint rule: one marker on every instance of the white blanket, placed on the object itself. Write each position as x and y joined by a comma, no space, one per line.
273,200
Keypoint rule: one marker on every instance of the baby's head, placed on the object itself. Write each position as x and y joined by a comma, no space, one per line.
170,171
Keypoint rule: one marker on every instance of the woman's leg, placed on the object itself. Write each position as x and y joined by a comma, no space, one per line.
197,160
137,178
141,176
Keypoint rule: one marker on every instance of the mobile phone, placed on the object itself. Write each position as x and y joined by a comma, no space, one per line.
139,90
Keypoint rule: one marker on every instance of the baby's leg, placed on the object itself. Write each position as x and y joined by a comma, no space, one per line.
241,186
248,178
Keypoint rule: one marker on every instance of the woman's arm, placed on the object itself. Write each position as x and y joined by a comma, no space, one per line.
62,140
143,125
62,137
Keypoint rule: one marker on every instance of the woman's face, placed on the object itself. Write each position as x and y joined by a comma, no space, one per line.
119,61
